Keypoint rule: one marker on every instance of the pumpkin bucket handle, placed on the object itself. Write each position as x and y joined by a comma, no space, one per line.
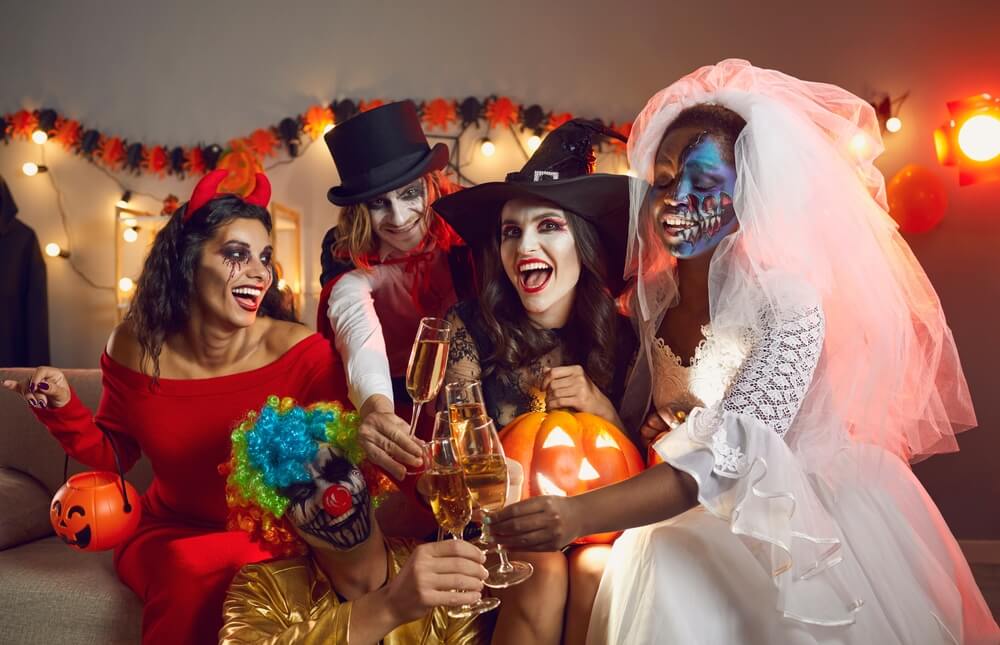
127,507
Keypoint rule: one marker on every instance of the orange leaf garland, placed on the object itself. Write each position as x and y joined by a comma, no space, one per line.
263,142
195,161
501,111
67,133
111,152
364,106
316,119
22,124
624,129
440,113
156,160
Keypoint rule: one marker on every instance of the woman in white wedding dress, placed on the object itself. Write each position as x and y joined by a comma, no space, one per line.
798,359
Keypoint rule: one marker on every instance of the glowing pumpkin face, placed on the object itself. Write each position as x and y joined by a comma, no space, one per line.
88,512
566,453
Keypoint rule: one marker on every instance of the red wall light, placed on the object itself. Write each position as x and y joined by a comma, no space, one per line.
971,139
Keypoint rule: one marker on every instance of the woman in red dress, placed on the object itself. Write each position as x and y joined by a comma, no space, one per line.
205,340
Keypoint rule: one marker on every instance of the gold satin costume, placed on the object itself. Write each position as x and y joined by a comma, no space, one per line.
291,601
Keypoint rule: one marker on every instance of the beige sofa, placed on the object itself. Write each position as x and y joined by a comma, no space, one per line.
50,593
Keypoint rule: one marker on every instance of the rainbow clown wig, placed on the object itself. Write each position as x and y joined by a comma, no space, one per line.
271,451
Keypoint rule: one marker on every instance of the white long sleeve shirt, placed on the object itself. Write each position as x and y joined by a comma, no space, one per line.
374,317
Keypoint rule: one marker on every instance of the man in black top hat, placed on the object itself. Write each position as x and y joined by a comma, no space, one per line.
390,261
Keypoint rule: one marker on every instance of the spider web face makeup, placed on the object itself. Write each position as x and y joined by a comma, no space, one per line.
335,506
694,207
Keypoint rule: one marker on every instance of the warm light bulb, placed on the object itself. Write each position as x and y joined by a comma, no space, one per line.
533,142
121,203
979,137
52,250
39,136
327,128
125,285
30,168
488,148
282,284
893,124
130,235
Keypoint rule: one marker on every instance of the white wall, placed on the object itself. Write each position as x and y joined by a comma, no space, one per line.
179,73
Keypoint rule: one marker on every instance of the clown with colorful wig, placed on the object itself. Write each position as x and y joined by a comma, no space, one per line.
299,484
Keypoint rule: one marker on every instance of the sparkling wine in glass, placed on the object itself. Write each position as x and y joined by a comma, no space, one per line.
486,476
465,403
428,359
451,500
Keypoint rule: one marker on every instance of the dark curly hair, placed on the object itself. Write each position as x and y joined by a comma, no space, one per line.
162,302
592,326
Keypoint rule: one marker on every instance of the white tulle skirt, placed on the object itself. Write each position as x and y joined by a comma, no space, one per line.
694,579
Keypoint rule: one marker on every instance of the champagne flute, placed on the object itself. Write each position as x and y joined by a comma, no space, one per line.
451,500
466,405
486,476
425,371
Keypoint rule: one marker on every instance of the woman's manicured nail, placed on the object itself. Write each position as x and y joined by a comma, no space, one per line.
43,385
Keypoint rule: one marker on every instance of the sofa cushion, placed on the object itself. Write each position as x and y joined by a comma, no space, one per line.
25,504
50,593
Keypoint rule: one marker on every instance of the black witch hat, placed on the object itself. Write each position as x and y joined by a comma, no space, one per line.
561,171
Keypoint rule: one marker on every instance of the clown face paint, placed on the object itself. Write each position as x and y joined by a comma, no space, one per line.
235,272
540,258
399,217
692,195
334,508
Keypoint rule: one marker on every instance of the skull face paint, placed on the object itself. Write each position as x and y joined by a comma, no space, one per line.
692,195
335,506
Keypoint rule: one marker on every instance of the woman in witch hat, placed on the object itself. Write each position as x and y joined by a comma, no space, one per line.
388,263
544,331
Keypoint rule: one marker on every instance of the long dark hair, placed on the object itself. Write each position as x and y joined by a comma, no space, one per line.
162,302
591,330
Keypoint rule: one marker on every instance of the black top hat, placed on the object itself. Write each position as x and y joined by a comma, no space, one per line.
379,150
560,171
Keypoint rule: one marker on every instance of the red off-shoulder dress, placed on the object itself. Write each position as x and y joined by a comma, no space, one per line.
181,559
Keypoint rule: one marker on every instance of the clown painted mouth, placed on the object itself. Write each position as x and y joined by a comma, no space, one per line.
533,275
248,296
81,538
347,530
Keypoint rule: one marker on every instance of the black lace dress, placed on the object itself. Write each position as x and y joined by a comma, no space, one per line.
510,393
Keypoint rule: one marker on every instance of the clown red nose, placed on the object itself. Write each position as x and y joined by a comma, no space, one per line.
337,500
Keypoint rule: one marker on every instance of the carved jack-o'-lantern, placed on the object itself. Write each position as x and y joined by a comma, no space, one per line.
89,512
566,454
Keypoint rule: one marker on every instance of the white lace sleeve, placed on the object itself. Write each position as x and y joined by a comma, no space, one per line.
774,378
358,337
748,475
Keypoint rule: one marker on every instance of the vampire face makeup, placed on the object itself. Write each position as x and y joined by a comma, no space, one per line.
540,258
235,272
692,194
399,217
333,509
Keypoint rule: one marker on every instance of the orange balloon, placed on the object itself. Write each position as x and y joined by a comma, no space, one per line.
917,199
88,512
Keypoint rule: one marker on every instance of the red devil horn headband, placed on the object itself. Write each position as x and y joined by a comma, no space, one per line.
207,190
